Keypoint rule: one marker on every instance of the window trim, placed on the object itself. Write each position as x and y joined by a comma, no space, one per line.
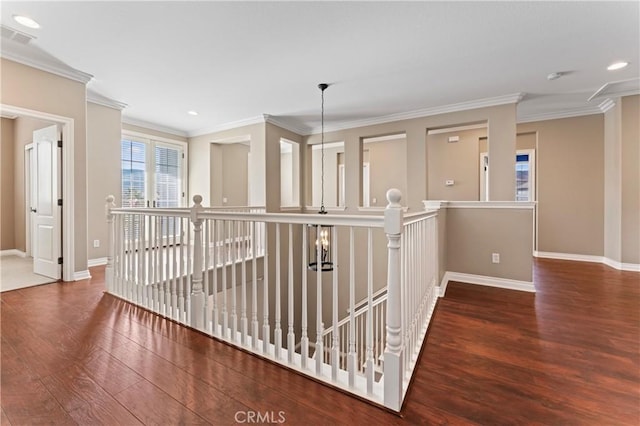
152,141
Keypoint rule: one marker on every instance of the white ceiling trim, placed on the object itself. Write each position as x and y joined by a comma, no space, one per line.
99,99
153,126
578,112
513,98
606,105
457,129
393,137
284,125
24,54
228,126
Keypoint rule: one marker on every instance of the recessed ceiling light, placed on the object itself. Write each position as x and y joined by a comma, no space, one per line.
192,112
617,65
26,21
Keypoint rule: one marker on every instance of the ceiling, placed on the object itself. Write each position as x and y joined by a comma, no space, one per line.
235,61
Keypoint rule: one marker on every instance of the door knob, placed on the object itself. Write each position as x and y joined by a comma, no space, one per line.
33,210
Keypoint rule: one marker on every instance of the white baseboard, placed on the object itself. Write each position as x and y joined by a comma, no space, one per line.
486,281
442,289
12,252
97,262
81,275
634,267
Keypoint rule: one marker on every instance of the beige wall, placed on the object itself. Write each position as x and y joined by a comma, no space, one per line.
104,177
270,163
613,183
202,163
473,234
23,135
459,161
27,87
387,169
570,184
330,176
234,174
228,174
630,173
501,131
7,224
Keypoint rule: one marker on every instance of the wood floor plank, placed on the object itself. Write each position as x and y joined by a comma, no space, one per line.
185,388
568,354
152,406
108,372
85,401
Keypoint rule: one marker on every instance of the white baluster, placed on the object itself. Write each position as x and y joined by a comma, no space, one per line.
335,335
351,356
216,253
369,359
304,339
197,295
207,261
291,338
243,308
319,325
277,332
393,368
108,272
166,244
157,271
234,283
141,263
183,270
266,333
174,270
223,248
254,295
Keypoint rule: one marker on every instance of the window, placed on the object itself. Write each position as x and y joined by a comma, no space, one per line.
153,172
525,175
134,189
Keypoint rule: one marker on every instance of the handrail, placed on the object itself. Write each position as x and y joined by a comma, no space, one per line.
294,218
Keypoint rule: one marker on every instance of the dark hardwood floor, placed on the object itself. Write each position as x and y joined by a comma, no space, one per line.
570,354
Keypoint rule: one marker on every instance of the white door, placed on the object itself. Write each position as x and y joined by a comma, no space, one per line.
46,212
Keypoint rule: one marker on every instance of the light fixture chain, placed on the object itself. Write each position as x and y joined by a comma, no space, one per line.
322,149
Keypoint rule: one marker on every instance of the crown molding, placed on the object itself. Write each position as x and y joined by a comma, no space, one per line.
258,119
298,130
606,105
576,112
513,98
99,99
35,57
153,126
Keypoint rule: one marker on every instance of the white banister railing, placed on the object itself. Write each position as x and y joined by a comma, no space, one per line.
243,276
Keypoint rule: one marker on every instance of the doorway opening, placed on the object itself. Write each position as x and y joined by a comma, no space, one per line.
54,228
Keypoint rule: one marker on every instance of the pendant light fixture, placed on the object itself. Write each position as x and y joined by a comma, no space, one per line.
320,235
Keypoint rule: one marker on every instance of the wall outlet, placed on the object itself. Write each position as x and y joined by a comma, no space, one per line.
96,243
374,201
449,182
224,200
495,257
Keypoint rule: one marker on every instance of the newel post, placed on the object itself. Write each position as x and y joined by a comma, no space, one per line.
393,368
108,273
197,294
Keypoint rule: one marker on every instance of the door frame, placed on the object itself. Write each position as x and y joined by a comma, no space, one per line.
68,224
